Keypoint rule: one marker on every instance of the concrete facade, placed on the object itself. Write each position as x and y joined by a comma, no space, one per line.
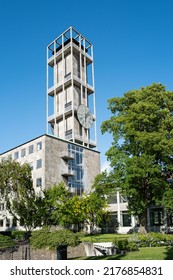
68,151
54,160
70,83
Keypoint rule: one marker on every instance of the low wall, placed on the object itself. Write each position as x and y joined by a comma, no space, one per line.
25,252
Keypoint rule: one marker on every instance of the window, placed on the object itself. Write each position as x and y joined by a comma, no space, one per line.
123,199
76,164
170,220
39,146
39,163
1,206
23,152
7,222
112,198
112,222
1,223
78,158
156,217
79,174
31,149
38,182
125,219
16,155
14,222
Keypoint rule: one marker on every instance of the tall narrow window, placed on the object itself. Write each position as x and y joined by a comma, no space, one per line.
16,155
31,149
39,146
23,152
1,206
1,222
39,182
125,219
7,222
39,163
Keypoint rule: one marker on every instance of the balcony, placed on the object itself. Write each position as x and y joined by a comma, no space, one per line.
67,155
68,173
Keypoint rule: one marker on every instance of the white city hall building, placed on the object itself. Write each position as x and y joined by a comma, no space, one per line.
68,150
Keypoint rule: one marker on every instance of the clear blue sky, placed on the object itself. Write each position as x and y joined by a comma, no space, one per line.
133,47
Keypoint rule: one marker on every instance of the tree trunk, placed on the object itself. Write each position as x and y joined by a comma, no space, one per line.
143,222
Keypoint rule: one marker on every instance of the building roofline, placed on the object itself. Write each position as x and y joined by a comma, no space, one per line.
50,136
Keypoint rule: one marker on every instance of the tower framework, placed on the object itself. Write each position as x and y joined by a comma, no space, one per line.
71,109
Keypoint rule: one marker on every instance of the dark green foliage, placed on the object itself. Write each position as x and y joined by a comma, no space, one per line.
17,190
53,206
50,238
6,241
141,151
121,244
19,235
167,200
124,244
152,239
62,208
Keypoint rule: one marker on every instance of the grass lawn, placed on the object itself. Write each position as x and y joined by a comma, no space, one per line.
146,253
104,237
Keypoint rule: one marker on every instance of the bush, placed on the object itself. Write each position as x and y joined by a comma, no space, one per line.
125,244
132,246
48,238
154,239
6,241
19,235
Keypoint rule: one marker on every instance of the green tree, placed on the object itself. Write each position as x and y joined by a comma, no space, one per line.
60,207
96,210
18,193
141,153
64,208
167,200
53,206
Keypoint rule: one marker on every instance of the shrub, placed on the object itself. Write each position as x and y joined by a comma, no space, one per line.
124,244
19,235
6,241
154,239
132,246
121,244
48,238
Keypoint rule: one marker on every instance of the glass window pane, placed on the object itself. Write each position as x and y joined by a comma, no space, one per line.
31,149
39,163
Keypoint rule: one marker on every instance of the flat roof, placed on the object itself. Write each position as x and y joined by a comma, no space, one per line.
51,136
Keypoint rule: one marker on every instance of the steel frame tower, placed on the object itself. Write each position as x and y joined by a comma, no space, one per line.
71,108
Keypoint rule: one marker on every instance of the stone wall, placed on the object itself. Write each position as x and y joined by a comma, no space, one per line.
23,252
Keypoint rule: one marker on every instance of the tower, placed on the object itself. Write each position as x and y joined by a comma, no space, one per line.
69,155
71,110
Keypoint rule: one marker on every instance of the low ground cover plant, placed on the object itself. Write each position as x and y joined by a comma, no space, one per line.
6,241
151,239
